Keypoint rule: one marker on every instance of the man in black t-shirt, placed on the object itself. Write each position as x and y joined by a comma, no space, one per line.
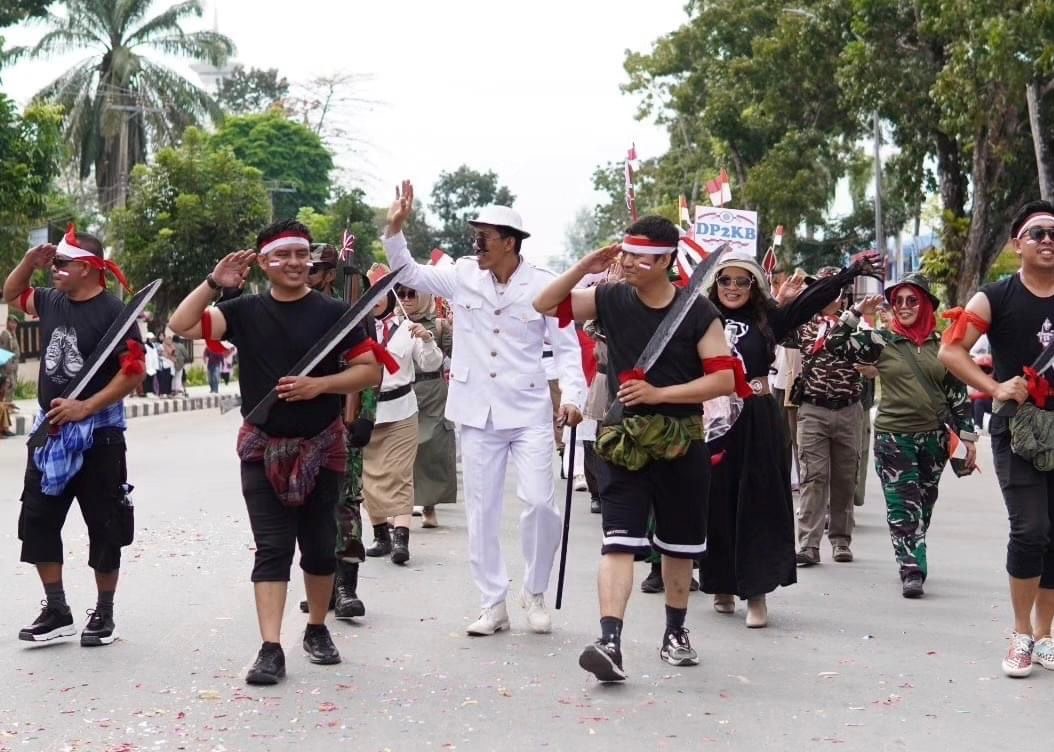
84,458
655,458
1017,314
291,466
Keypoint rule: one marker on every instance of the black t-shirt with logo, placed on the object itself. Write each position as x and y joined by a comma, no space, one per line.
1022,325
629,325
271,336
70,330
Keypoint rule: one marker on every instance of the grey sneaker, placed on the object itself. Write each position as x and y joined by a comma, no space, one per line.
677,650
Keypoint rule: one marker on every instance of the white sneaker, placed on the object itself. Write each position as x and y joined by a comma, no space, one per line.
580,483
1043,653
537,616
491,620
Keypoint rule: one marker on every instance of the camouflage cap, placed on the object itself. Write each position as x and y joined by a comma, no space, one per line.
323,253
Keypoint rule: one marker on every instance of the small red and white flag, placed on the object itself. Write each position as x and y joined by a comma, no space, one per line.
770,262
726,188
777,236
347,246
631,194
713,189
689,255
440,258
682,210
631,156
956,448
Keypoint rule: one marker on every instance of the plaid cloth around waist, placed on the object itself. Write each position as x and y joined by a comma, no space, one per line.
62,456
292,464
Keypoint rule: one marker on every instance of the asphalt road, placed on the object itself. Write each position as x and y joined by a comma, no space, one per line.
846,663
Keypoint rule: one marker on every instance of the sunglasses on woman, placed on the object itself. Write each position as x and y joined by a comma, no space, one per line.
406,293
738,282
905,301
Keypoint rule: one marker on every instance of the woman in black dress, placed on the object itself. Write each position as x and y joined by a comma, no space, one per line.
750,535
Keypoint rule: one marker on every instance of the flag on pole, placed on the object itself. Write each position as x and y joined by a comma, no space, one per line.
347,247
726,188
440,258
777,236
689,255
685,217
631,196
770,262
713,189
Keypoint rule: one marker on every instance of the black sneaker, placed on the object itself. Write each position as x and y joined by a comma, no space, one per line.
653,582
677,650
52,624
269,666
912,587
604,661
99,630
319,645
594,505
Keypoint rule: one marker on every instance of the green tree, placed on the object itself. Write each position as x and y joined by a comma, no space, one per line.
580,237
348,211
294,161
190,207
17,11
30,154
251,90
457,197
118,100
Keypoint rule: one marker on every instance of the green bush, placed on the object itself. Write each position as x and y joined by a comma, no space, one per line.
25,390
196,376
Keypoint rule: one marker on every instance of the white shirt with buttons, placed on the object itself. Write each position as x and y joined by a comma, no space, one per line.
496,370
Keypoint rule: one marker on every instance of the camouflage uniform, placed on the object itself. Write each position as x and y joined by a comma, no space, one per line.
349,508
909,464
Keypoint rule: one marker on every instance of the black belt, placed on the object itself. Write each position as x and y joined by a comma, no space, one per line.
602,369
547,353
428,376
830,404
394,394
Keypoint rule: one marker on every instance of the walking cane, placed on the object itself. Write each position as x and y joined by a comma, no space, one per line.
567,517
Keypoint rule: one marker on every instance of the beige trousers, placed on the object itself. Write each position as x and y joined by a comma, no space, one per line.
388,469
829,453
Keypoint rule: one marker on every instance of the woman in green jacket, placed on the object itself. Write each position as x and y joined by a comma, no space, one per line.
911,439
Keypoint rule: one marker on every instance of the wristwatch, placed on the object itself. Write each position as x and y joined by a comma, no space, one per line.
212,282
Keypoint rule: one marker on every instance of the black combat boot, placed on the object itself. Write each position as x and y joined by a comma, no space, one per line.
382,541
401,545
348,604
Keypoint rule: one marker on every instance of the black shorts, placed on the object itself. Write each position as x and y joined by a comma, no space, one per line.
678,492
98,490
277,529
1029,497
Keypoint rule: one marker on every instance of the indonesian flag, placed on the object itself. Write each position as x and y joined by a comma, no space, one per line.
440,258
631,156
685,217
347,246
770,262
777,236
713,189
726,188
689,255
956,449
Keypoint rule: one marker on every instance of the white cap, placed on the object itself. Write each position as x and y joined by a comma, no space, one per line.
500,216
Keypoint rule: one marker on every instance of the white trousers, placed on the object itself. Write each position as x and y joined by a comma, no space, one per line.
485,455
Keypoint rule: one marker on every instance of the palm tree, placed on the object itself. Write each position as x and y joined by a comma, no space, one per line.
117,101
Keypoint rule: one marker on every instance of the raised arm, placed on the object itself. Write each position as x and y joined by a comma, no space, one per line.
561,299
819,295
231,271
17,283
853,344
436,280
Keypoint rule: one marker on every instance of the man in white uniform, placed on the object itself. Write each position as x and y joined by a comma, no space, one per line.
499,398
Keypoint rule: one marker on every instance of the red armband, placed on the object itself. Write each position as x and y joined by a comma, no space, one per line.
635,374
717,459
961,320
213,346
565,313
380,352
1038,387
23,299
733,364
133,362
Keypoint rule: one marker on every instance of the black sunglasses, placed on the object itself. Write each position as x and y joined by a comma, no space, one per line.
319,267
61,263
405,293
1037,234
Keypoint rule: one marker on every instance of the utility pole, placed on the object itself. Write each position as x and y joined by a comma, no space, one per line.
123,169
880,230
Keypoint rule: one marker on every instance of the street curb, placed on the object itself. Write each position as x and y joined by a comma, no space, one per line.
153,407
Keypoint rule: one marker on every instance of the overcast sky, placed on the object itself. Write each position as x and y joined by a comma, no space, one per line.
527,89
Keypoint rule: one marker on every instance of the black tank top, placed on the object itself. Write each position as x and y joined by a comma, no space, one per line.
1022,325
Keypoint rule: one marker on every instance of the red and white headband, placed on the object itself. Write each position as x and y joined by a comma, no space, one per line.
68,247
285,240
1043,218
643,245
